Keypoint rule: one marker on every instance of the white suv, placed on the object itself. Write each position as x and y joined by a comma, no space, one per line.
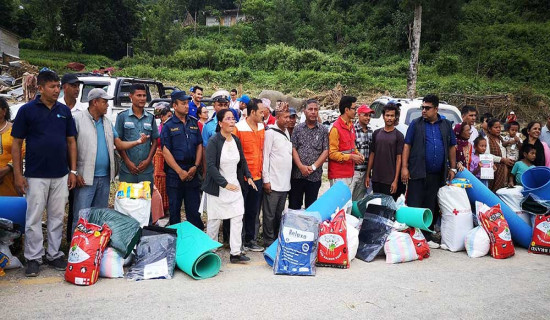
410,110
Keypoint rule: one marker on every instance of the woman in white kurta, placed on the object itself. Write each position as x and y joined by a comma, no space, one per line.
224,198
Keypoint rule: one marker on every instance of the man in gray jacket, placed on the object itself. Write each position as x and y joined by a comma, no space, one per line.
96,141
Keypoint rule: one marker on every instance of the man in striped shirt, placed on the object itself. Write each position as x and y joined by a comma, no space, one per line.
363,140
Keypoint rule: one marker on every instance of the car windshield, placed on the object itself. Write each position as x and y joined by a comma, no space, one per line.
89,86
448,114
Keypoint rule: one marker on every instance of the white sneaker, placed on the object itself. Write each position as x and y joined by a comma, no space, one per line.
433,245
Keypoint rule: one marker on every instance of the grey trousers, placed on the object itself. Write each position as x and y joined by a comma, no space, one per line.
273,206
358,189
52,195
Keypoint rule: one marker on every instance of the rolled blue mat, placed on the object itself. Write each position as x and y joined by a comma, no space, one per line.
14,209
335,197
537,181
521,231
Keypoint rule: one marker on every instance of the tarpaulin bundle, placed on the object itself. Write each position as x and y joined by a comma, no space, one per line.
125,229
375,229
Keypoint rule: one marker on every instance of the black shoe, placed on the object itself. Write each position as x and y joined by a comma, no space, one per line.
33,268
252,246
58,264
238,258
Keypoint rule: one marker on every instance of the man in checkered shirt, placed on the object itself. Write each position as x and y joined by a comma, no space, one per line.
363,139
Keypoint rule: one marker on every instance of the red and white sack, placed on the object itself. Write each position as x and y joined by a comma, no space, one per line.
456,217
420,244
540,242
87,246
477,243
333,243
399,247
496,226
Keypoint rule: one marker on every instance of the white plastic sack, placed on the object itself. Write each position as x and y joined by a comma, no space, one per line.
111,264
139,209
352,221
477,243
353,239
399,247
456,217
512,197
14,261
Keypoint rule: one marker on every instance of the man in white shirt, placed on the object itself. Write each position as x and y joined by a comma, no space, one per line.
233,103
276,172
545,131
71,88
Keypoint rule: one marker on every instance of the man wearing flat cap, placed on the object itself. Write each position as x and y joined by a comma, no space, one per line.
71,88
96,140
181,143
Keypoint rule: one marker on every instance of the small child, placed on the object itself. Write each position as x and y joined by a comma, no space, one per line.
512,142
480,146
529,154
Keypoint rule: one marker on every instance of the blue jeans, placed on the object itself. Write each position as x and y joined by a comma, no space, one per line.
96,195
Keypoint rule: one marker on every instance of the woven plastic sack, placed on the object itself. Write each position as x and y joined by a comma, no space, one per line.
456,217
333,243
399,247
112,264
477,243
87,246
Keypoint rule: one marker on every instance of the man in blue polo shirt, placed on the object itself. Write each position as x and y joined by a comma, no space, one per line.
182,150
195,103
429,157
48,128
96,140
137,162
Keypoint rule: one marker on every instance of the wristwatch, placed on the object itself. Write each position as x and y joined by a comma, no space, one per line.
454,170
313,167
74,172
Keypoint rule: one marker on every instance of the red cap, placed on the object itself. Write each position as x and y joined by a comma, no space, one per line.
364,109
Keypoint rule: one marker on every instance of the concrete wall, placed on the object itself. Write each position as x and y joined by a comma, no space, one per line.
9,43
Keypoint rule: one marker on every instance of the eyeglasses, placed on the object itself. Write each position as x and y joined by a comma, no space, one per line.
426,108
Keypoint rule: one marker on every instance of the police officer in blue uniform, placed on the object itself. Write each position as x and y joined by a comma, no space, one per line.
182,149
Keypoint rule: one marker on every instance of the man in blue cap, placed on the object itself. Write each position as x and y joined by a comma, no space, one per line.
182,150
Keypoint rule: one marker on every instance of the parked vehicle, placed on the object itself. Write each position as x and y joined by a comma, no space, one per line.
410,110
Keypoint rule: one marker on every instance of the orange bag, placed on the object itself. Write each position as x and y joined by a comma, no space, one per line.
87,246
496,226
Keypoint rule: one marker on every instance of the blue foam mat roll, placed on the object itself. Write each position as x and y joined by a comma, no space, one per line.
521,231
14,209
335,197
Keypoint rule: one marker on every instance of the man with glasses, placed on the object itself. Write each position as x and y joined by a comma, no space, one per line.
429,158
343,155
182,150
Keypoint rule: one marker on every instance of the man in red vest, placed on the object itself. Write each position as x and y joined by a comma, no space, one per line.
343,154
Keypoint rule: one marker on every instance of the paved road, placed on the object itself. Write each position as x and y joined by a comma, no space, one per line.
445,286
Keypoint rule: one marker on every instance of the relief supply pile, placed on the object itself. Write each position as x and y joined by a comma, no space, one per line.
297,247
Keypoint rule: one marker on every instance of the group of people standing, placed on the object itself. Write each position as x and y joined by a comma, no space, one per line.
244,159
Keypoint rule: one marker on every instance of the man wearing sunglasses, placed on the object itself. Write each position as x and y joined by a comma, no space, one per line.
429,157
